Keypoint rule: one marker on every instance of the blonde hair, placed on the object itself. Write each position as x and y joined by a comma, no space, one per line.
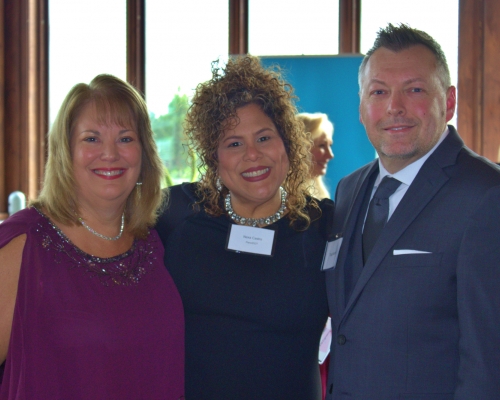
316,124
242,81
118,102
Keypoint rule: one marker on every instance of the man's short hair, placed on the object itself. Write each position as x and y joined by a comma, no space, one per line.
402,37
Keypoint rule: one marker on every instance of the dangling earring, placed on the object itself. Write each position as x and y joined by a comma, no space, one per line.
218,184
138,187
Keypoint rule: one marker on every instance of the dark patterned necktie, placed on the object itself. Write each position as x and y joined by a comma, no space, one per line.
378,213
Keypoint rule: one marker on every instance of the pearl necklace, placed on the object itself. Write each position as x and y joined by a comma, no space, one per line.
257,222
103,236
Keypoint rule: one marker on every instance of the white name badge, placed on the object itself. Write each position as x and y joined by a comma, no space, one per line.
247,239
331,254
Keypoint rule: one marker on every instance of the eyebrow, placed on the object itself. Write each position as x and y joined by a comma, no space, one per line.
123,131
407,82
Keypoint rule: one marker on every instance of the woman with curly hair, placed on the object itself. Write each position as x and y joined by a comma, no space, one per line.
244,245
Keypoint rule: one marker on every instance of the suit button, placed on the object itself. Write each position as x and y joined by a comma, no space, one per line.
341,339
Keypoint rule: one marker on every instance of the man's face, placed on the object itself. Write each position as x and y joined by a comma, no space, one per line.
404,106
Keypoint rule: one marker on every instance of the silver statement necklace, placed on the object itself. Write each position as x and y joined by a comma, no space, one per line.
256,221
104,236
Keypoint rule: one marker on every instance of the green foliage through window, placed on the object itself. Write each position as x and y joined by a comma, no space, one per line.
170,139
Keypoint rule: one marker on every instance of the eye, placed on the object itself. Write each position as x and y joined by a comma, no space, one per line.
234,144
417,90
126,139
90,139
263,138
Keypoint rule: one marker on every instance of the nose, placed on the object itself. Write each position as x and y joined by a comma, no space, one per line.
396,104
251,153
329,153
110,152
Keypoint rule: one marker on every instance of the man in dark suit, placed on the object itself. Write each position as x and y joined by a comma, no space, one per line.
415,291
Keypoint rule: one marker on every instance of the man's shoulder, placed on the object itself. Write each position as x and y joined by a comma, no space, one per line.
475,170
351,180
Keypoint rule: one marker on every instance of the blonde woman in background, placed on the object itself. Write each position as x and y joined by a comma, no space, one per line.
321,130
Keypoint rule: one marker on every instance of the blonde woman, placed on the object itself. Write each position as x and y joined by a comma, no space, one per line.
87,308
321,130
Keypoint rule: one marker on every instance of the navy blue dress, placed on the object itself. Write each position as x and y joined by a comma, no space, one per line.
253,322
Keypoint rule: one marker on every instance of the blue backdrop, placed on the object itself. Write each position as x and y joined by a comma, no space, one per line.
329,84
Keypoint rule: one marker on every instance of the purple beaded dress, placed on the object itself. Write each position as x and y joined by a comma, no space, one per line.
91,328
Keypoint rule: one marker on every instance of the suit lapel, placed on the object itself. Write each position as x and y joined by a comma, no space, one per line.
348,231
427,183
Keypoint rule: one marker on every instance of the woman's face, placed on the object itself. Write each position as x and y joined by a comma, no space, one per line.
321,153
106,158
253,162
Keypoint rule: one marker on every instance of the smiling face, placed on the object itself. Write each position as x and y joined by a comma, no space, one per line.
253,162
404,106
321,153
106,158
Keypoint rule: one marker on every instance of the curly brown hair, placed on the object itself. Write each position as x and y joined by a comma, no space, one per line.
242,81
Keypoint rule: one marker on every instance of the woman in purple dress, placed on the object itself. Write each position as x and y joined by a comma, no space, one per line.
87,308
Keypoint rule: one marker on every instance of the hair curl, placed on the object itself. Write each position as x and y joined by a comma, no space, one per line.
402,37
114,101
242,81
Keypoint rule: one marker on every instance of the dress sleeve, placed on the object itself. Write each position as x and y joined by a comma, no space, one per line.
14,226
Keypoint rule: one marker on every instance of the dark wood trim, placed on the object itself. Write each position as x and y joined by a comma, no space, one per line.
238,26
470,73
478,83
491,84
136,44
349,26
26,96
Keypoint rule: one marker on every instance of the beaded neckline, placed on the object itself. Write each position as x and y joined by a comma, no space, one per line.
124,269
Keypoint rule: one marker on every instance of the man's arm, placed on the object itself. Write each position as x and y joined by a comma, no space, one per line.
478,296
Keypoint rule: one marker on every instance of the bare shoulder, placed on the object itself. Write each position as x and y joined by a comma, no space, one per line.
10,265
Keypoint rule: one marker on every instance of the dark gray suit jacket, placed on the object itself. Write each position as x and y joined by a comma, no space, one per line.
421,325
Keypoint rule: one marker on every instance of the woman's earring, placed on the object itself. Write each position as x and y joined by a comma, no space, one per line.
218,184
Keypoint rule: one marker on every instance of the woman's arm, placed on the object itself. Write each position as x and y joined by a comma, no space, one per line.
10,265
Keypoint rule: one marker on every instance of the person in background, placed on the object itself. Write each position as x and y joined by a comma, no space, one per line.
415,293
321,130
87,308
245,243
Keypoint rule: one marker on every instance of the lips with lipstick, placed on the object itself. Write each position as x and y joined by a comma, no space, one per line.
256,174
109,173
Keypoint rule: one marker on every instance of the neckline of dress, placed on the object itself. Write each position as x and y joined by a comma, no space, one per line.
63,236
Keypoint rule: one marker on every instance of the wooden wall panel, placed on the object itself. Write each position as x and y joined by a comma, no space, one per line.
478,77
470,73
491,83
26,97
3,193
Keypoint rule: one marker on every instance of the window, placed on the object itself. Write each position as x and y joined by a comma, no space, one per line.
87,38
182,39
293,27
